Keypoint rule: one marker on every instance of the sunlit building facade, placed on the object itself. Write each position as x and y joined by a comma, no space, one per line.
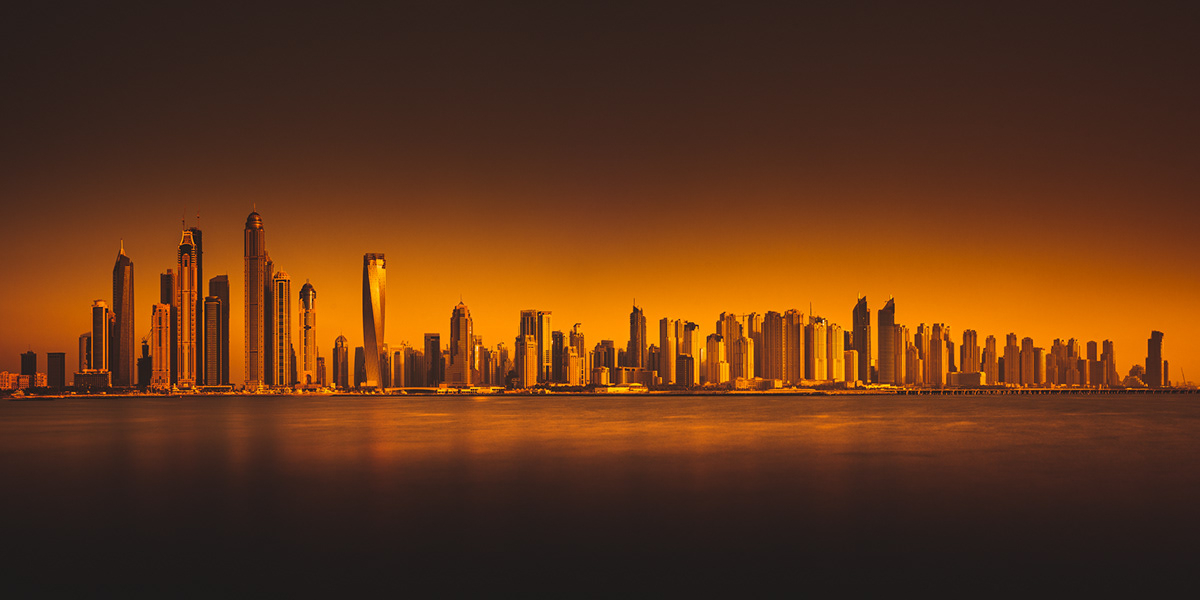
308,335
281,360
374,299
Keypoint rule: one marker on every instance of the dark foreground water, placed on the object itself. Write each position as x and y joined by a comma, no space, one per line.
615,496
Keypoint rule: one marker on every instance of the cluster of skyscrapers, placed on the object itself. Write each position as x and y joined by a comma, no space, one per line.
187,346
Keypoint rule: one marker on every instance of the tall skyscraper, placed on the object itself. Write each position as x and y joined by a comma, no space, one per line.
187,305
461,346
773,348
56,370
213,323
434,373
101,328
717,365
635,354
576,341
198,315
85,351
754,332
219,286
558,347
1154,360
1109,358
121,357
667,351
374,299
836,359
991,361
1028,360
862,339
794,323
29,363
341,363
166,292
254,253
162,346
1012,360
815,349
527,361
308,335
537,324
281,363
970,352
887,344
938,358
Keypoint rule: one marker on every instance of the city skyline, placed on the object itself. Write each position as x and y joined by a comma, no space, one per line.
1045,189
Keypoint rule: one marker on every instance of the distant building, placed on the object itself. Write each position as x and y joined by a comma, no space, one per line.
161,347
219,286
257,285
1154,361
101,326
121,344
887,344
862,339
29,363
187,311
308,336
462,346
341,363
282,361
635,353
434,372
374,298
56,370
214,323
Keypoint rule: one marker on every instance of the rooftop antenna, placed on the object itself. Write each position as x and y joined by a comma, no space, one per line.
122,245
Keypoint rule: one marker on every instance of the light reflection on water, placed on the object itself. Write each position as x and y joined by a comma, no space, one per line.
349,491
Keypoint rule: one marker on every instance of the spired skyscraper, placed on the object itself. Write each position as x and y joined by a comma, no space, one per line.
635,353
374,298
461,346
255,262
121,357
188,312
308,335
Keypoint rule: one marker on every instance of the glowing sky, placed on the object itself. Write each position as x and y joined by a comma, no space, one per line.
1018,168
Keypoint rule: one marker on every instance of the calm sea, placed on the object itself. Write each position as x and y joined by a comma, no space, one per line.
581,495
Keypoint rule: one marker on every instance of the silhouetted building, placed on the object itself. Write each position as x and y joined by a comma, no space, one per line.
374,300
435,373
360,367
29,363
461,346
341,363
121,355
219,286
1154,361
166,291
862,339
773,347
213,323
56,370
257,282
887,344
101,326
85,351
187,309
161,346
794,323
143,367
283,362
635,353
308,335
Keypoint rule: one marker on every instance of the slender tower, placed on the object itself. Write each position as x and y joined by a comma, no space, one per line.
198,315
255,259
374,297
461,346
186,296
219,286
281,358
122,338
862,339
888,346
308,334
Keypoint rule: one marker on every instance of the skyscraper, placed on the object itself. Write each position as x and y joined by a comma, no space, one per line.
213,323
29,363
85,351
121,357
101,328
308,335
1154,360
635,354
374,299
887,344
970,352
219,286
281,363
461,346
1012,360
774,343
717,366
862,339
434,374
254,254
161,346
186,307
793,346
56,370
166,293
341,363
198,314
991,361
667,351
816,354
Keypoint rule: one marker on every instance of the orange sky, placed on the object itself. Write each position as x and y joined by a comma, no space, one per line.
1015,170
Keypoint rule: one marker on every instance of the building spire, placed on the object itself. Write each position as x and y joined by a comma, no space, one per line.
122,246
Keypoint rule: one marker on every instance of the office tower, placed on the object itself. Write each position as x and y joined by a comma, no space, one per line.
576,341
754,332
1093,351
1109,358
605,355
635,354
374,299
558,343
1154,361
1027,362
254,252
923,342
121,356
341,363
161,346
572,367
56,370
667,346
101,328
281,313
914,368
184,310
433,360
213,323
360,367
219,286
793,346
462,342
269,349
1039,366
991,366
322,379
850,361
537,324
815,349
938,359
902,341
198,317
741,363
1012,360
970,352
85,351
773,344
835,346
143,367
862,338
166,293
527,361
400,367
29,363
887,342
1051,369
308,335
385,367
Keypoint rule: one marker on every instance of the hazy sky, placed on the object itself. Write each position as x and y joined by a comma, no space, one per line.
1019,167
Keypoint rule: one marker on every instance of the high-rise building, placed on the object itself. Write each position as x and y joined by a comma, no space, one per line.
219,286
166,292
462,346
667,351
374,298
938,358
435,373
56,370
1154,360
794,323
851,362
635,354
527,361
121,355
558,347
360,368
282,360
213,323
198,315
816,349
836,359
29,363
576,341
970,352
101,328
754,332
341,363
161,346
308,335
862,339
902,341
1028,360
322,379
1012,360
1109,358
717,366
991,364
773,347
269,349
537,324
187,305
85,351
741,363
887,343
254,251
